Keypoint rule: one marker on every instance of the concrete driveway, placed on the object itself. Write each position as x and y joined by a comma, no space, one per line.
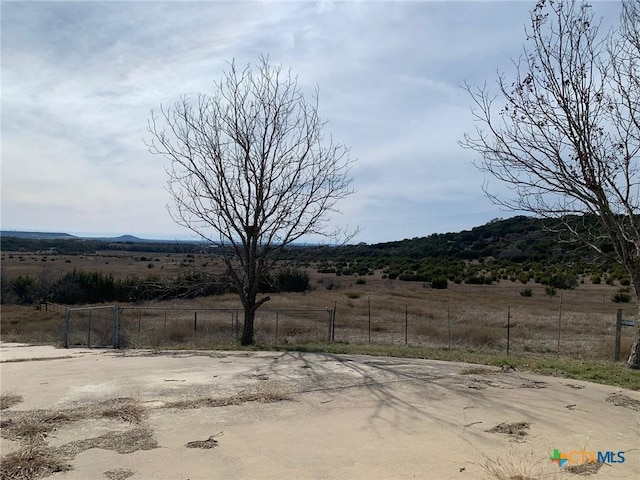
307,415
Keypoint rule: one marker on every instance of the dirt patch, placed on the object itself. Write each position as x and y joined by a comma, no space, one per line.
574,386
121,442
210,442
119,474
516,429
584,468
478,371
621,400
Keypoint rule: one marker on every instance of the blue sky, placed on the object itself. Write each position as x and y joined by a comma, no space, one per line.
79,80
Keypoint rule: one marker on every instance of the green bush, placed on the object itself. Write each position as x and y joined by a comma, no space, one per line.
622,296
439,283
563,281
292,280
526,293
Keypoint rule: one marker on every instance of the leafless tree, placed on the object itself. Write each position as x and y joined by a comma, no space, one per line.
564,132
251,171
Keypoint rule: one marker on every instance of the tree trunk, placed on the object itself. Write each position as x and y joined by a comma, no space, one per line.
634,357
247,329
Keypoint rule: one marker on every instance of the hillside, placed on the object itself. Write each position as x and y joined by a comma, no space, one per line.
517,239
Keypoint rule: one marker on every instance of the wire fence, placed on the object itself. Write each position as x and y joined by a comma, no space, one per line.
514,330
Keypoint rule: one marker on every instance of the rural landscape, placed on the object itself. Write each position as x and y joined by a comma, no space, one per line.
462,291
506,296
279,343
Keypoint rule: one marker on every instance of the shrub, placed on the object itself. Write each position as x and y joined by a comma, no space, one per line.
596,279
563,281
439,283
622,296
361,281
353,295
292,280
526,293
550,290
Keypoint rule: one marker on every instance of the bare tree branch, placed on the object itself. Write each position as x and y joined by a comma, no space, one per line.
251,170
564,133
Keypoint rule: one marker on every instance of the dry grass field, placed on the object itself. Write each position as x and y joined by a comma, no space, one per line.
579,323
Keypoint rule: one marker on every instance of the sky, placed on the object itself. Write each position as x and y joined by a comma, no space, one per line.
80,79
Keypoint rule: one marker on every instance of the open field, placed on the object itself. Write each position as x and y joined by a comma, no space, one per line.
92,414
578,323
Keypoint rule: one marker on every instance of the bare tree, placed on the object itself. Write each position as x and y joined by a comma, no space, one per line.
564,132
251,171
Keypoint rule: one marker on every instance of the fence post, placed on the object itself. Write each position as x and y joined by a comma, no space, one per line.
89,332
616,352
277,317
116,327
195,321
369,298
139,320
406,325
449,325
333,322
165,319
508,328
559,321
66,327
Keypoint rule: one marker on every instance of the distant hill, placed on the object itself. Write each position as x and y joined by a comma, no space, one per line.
67,236
35,235
124,239
517,239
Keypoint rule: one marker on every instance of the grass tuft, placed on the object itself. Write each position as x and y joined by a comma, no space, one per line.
32,462
263,396
517,466
8,400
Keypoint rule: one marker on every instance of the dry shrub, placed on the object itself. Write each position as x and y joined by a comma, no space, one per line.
124,409
8,400
118,474
428,330
478,370
33,426
32,462
621,400
262,396
178,332
608,347
517,429
518,466
479,336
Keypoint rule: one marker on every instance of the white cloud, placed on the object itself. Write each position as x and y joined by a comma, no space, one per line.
80,78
